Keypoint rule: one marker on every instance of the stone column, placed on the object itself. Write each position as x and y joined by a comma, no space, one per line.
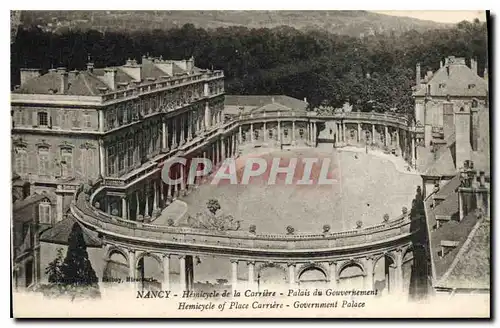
101,120
190,122
333,274
162,193
174,132
223,148
102,159
251,274
291,274
308,131
369,273
131,264
164,135
208,116
344,132
279,131
137,212
373,133
386,130
240,136
315,133
293,131
251,133
155,196
182,272
359,132
397,139
166,272
399,270
146,198
413,160
264,131
182,128
124,207
234,275
59,204
183,183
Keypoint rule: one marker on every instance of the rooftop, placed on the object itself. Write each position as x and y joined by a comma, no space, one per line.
59,233
236,104
454,78
93,81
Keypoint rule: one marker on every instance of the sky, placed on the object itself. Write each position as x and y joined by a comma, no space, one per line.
447,16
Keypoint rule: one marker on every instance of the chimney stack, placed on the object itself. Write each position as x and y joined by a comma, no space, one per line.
462,135
64,79
418,75
110,78
440,64
133,69
90,67
473,65
448,119
28,74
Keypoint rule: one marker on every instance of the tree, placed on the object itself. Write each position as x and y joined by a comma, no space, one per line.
76,269
53,270
213,206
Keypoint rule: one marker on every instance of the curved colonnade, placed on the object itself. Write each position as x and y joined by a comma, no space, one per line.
127,229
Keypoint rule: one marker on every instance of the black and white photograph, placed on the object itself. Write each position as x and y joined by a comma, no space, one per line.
250,163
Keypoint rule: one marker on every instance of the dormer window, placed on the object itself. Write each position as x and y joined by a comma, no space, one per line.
472,86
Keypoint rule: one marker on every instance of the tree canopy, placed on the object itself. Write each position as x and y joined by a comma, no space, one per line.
371,73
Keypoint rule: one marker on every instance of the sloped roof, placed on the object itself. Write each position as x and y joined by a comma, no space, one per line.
273,107
442,165
23,208
60,232
81,84
449,188
471,267
455,79
262,100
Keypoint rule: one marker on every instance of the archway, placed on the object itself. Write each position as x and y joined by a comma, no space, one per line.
351,275
384,274
116,266
271,275
149,271
313,277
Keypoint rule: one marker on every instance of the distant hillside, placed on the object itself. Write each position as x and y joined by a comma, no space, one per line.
353,23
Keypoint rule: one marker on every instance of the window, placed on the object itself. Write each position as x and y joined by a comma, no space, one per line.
442,85
43,160
43,119
285,133
21,160
110,119
111,160
86,121
301,133
121,156
474,103
44,213
130,153
256,134
120,115
75,120
88,163
472,86
66,162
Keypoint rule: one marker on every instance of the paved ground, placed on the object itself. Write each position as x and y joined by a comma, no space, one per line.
367,186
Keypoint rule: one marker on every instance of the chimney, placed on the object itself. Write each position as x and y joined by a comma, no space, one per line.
448,119
305,100
462,135
28,74
110,77
473,65
90,67
440,64
190,64
429,75
418,75
64,79
133,69
167,67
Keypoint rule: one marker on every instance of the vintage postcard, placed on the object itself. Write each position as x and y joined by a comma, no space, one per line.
250,164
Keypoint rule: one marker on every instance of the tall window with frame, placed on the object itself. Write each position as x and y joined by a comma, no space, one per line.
66,162
87,123
119,114
121,156
43,160
43,119
21,160
111,160
87,166
130,152
44,212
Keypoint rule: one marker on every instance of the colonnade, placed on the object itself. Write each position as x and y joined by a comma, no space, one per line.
281,131
293,270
